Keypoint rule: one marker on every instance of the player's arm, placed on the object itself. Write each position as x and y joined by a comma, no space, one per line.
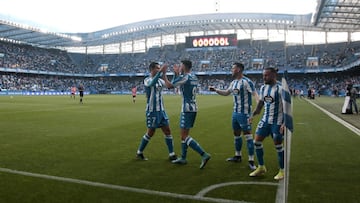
282,128
252,90
225,92
219,91
256,96
177,79
151,81
258,108
168,84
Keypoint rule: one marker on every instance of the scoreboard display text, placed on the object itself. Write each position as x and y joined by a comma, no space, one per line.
211,41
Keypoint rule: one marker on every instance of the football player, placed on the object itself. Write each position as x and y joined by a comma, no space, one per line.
242,89
271,123
188,83
156,116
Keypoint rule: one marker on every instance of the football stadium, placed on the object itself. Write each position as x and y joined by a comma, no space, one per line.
56,146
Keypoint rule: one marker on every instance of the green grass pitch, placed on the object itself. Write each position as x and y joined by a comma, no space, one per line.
97,141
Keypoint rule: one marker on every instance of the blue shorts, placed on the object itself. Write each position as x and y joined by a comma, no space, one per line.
240,121
187,119
265,129
156,119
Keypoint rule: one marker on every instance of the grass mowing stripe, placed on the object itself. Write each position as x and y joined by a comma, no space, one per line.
41,110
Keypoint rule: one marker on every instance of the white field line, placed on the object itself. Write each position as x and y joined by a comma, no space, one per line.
212,187
199,196
341,121
281,195
282,190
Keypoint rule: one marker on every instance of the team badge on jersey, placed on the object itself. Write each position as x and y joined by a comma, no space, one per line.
236,91
268,99
158,87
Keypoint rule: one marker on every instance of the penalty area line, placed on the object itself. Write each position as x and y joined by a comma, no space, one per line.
118,187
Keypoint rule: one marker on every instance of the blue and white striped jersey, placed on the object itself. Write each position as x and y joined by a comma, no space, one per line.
273,111
153,88
242,90
188,84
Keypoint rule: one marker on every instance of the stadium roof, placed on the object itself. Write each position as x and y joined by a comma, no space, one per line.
342,15
330,15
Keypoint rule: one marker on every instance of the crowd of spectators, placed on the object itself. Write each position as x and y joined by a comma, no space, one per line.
254,54
322,84
35,58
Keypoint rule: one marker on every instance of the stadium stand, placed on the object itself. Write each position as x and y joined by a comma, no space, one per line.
218,63
31,60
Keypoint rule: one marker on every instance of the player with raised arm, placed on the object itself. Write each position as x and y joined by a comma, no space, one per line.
271,123
242,89
188,83
156,116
